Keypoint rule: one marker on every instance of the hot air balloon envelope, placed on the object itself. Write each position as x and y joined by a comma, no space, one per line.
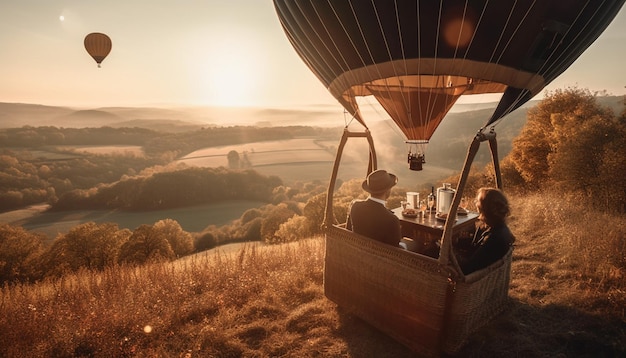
418,57
98,45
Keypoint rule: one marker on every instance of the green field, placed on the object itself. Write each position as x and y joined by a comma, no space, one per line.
291,151
191,219
104,149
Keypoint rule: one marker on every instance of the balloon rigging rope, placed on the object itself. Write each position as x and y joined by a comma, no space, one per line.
342,63
519,96
494,54
430,108
419,64
306,34
406,106
419,55
406,70
506,45
367,68
389,91
551,68
552,63
351,42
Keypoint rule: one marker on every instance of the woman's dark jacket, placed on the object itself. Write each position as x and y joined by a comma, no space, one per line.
488,245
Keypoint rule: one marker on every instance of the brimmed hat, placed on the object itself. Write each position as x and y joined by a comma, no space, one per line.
379,181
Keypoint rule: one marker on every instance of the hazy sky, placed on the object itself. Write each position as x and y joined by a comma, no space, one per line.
193,52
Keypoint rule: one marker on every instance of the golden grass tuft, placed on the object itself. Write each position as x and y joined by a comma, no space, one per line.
567,299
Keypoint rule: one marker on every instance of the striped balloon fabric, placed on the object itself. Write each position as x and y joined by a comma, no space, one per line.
98,45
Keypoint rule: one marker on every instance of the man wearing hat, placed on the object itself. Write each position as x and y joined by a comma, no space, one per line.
371,217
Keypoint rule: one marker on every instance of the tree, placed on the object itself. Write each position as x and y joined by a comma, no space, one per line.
277,215
579,150
145,245
296,228
90,245
20,252
314,211
180,240
250,215
572,142
233,159
611,181
547,130
205,241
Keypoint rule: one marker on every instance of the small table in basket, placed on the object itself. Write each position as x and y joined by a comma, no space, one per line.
422,234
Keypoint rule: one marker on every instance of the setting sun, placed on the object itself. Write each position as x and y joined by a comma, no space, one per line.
230,75
229,79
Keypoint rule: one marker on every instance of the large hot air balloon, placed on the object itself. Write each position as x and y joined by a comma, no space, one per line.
417,58
98,45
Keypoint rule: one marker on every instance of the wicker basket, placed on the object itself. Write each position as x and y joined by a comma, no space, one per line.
427,304
411,297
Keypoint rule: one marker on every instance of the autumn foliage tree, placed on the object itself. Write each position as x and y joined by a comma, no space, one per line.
180,240
572,142
146,244
276,216
20,252
89,245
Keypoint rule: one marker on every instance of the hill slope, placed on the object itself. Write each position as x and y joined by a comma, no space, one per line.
269,301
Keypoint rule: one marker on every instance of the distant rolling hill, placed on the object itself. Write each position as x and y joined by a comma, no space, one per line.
86,118
15,115
463,120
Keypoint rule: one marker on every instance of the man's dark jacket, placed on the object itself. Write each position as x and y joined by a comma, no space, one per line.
372,219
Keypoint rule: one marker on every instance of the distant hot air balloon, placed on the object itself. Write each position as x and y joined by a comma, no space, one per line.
98,45
418,57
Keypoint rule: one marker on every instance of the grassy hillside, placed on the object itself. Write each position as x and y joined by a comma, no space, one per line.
567,298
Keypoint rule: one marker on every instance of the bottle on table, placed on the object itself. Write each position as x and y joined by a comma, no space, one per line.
431,199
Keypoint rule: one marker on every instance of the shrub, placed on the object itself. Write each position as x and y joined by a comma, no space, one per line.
271,223
250,215
146,245
90,245
296,228
20,253
205,241
180,240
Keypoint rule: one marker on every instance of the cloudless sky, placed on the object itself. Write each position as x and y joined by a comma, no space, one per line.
193,52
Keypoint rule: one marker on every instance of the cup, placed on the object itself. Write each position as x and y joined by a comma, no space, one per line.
413,198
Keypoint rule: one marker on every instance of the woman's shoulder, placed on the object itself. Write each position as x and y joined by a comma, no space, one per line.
503,232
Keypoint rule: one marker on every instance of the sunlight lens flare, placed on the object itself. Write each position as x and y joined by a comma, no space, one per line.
231,75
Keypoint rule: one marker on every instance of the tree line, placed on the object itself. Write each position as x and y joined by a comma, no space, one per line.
26,178
291,213
174,188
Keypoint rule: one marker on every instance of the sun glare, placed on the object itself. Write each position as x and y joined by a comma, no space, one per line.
229,76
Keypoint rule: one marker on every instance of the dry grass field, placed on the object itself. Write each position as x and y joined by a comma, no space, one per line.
567,299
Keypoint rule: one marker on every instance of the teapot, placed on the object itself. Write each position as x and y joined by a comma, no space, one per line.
445,195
